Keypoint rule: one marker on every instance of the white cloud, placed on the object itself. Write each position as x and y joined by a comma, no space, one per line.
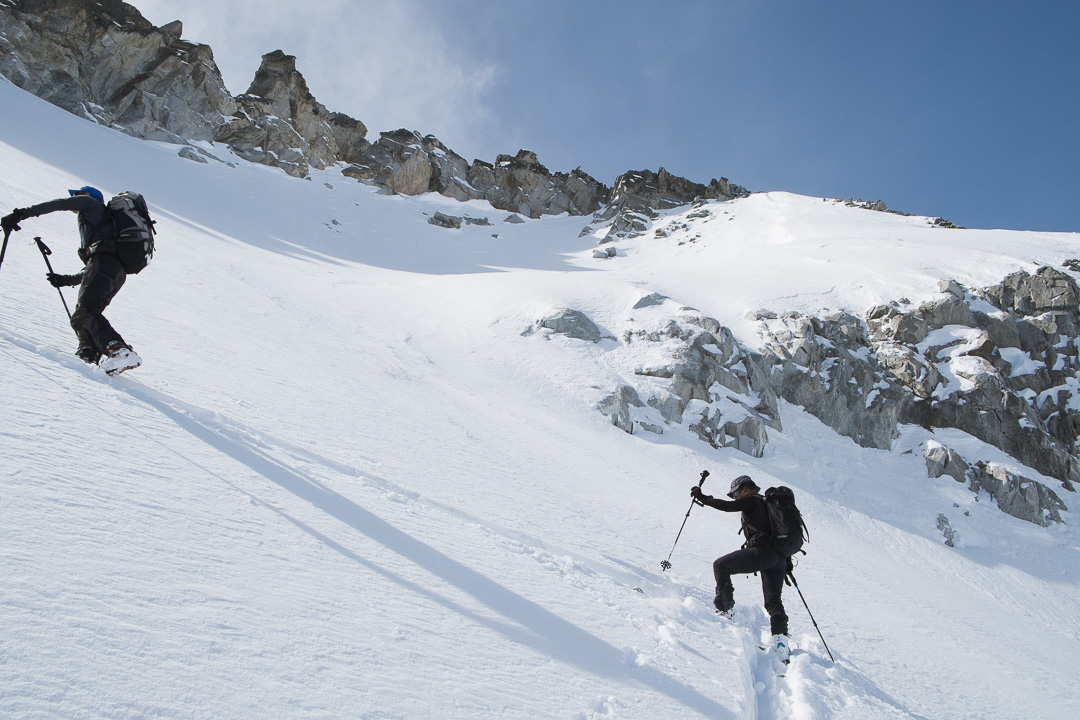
388,63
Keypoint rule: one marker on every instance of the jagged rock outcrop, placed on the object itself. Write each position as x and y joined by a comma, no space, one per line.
105,62
405,163
521,184
823,365
638,194
278,122
880,206
697,375
619,407
1000,364
941,460
1014,494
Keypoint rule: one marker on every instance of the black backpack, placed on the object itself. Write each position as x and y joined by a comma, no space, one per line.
788,530
134,230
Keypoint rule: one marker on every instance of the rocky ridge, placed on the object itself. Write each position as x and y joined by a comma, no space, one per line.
105,62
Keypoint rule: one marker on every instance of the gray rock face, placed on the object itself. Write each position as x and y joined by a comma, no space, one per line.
278,122
638,194
105,62
521,184
402,162
824,366
1016,495
748,435
617,407
707,383
574,324
940,460
1000,364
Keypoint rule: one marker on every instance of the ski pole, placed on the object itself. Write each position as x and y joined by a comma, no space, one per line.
3,249
666,564
45,253
796,584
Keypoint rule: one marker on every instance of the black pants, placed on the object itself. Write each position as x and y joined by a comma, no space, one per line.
772,566
102,279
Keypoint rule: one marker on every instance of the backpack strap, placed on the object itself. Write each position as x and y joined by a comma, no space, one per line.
748,529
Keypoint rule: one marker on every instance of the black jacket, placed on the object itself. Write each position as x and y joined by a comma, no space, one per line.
95,226
756,528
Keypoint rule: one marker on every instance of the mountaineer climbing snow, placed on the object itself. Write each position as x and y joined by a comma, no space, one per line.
116,240
766,549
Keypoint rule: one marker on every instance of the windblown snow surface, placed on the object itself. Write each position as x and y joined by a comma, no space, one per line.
345,484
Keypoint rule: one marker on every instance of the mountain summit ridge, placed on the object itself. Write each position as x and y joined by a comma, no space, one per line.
104,61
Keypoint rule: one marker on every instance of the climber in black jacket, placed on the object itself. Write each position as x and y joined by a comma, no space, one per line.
98,282
756,555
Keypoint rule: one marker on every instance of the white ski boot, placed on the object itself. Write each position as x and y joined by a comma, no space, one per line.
781,649
119,358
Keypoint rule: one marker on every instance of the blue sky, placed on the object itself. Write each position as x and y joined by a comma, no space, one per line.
964,109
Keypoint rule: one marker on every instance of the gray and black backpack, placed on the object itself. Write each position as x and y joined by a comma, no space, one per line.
788,530
135,232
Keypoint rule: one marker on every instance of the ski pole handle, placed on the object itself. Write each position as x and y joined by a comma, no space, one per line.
704,474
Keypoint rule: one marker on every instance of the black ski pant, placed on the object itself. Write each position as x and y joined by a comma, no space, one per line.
102,279
764,560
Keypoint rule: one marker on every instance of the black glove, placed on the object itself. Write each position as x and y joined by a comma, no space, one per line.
695,492
11,222
59,281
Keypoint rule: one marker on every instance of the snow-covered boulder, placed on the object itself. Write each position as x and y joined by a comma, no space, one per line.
574,324
941,460
1017,495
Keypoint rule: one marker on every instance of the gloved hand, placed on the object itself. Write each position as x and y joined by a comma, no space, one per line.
11,222
695,492
59,281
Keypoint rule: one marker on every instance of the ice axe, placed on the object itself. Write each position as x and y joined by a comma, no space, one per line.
666,564
45,253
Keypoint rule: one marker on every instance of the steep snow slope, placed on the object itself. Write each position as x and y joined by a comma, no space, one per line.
345,484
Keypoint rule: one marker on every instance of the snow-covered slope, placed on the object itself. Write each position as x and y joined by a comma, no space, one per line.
346,484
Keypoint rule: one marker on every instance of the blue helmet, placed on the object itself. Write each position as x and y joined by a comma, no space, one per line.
91,191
